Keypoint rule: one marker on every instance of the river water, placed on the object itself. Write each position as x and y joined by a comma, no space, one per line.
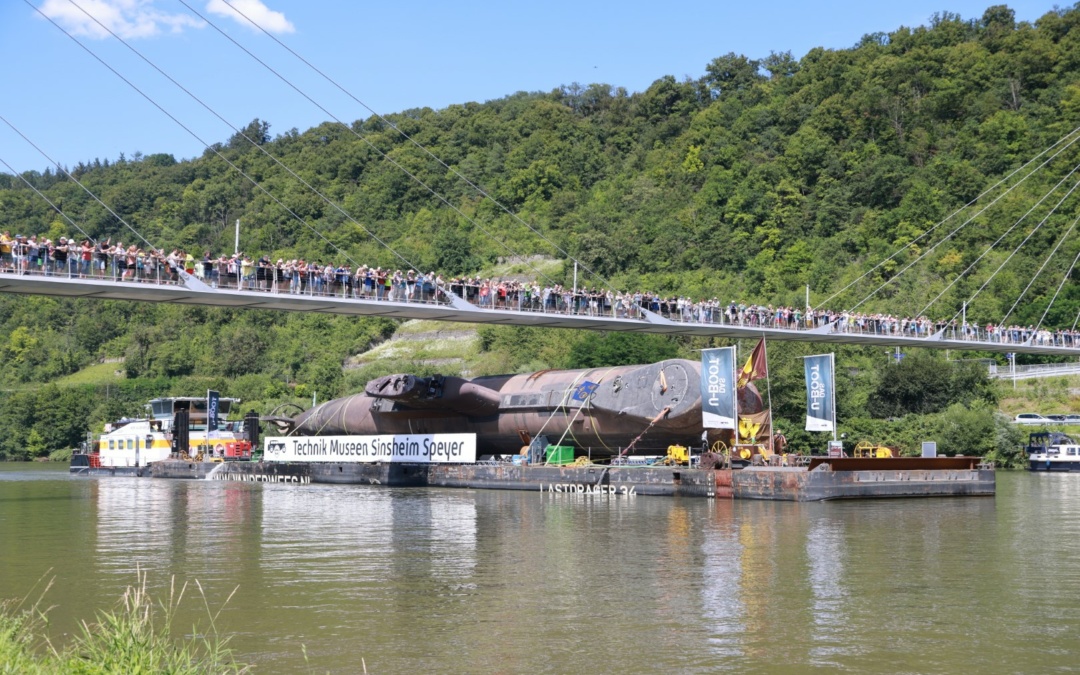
333,578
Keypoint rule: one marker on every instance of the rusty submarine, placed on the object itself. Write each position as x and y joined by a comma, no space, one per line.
591,433
605,410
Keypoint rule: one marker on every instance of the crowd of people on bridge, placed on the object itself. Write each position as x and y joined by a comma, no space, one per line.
105,260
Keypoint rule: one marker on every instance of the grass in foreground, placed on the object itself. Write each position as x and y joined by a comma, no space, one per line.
135,637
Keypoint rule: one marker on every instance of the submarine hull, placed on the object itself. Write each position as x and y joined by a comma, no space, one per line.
600,409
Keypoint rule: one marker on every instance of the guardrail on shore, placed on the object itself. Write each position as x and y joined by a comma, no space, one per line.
1033,371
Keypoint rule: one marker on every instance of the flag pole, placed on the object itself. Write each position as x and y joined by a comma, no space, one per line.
832,358
207,441
768,387
735,381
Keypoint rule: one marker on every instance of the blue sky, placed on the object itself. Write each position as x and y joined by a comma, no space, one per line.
393,56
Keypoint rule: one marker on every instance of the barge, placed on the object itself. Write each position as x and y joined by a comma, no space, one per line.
824,478
599,432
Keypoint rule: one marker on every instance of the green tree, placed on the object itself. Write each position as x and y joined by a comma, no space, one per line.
596,350
924,382
731,73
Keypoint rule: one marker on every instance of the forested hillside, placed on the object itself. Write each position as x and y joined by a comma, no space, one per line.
748,182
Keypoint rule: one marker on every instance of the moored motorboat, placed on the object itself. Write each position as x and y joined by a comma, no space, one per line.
1052,451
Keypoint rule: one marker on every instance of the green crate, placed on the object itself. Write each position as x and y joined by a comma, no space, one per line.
559,454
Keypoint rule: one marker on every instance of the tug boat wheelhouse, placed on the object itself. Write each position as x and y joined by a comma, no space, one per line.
1052,451
135,443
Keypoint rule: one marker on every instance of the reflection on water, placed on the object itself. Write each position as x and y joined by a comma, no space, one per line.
130,514
473,581
721,591
825,573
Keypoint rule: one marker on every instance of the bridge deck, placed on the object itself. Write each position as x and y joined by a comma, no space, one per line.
195,292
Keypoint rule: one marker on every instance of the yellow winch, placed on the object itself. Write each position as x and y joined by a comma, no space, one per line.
677,454
868,449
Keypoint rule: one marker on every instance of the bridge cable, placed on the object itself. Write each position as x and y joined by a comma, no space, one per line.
1010,257
76,181
218,153
371,145
48,201
973,201
989,248
1061,285
991,277
393,126
953,233
381,118
1041,267
515,216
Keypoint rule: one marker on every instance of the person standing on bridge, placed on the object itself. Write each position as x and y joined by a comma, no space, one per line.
6,244
247,278
398,286
86,256
208,269
380,283
60,256
32,249
131,259
101,257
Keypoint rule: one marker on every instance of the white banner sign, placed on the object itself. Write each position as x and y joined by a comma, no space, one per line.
405,448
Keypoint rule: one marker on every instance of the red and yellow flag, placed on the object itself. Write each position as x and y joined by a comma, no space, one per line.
755,367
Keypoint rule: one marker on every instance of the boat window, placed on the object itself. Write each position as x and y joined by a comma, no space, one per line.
130,444
112,444
1072,451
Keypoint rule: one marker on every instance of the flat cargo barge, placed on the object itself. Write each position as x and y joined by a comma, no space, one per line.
823,479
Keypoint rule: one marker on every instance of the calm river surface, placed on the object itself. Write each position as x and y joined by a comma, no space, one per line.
424,580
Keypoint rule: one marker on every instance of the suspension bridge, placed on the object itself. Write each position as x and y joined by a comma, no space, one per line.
448,307
950,330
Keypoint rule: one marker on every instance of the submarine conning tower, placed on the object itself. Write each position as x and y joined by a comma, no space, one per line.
437,391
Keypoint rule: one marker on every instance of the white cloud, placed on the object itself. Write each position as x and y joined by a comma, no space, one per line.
126,18
254,11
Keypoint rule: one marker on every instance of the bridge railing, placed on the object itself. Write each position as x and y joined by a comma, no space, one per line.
149,271
325,284
158,272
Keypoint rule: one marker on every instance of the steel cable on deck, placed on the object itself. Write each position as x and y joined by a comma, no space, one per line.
587,405
959,210
950,235
218,153
47,200
77,182
371,145
1005,234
